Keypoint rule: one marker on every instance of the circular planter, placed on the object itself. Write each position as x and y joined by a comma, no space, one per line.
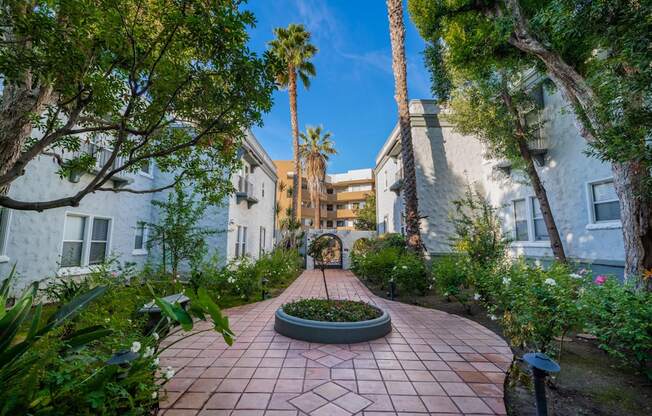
332,332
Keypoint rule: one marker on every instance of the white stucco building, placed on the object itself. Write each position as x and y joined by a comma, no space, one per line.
71,241
580,188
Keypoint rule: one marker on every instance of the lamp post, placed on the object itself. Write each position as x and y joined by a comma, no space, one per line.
263,285
541,365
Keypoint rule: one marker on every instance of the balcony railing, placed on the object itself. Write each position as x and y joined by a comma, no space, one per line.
398,181
102,156
245,190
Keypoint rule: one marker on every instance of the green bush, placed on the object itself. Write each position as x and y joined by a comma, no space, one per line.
376,266
410,275
450,276
331,310
621,318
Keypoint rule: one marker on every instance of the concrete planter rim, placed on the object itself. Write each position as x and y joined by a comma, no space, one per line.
332,332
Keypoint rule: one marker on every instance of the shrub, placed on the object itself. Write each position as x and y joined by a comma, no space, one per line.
410,274
376,266
332,310
621,318
536,306
450,275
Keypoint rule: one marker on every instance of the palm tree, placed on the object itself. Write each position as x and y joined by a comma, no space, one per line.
397,37
293,51
315,150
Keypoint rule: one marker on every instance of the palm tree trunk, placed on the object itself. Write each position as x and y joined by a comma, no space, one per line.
296,179
397,37
317,207
539,190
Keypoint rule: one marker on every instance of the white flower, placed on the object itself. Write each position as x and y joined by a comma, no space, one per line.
149,351
506,280
575,276
155,336
157,361
135,347
550,281
493,317
430,287
405,267
476,296
154,395
169,373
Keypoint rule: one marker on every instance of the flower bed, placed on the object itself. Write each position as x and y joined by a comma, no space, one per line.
332,310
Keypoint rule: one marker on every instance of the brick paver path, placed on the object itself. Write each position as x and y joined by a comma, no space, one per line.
431,363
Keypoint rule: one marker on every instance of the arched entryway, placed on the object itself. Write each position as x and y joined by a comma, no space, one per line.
332,254
345,238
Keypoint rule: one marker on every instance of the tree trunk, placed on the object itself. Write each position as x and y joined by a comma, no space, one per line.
397,37
323,274
539,190
636,218
294,122
317,207
629,177
19,104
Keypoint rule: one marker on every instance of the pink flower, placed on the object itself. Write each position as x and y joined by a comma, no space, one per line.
600,280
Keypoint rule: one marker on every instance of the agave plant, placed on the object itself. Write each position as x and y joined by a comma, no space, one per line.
14,360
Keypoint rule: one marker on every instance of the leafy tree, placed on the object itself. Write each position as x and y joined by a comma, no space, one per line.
293,51
315,151
595,52
366,216
123,76
176,232
497,114
397,37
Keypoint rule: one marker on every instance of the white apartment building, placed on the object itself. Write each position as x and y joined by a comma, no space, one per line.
580,188
72,241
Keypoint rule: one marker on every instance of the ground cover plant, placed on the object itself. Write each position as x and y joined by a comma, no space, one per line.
332,310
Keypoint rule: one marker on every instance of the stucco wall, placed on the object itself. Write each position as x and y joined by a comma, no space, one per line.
447,161
35,239
347,237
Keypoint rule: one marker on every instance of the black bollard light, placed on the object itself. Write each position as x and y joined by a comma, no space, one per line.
263,284
392,289
541,365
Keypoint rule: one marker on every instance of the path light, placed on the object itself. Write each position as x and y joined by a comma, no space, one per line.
263,284
541,365
392,289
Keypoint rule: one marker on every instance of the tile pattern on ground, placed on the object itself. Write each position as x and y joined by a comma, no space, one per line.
432,363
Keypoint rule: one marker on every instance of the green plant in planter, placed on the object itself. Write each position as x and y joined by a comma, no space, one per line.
331,310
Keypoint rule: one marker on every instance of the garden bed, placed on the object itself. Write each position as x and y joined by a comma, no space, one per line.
332,321
590,382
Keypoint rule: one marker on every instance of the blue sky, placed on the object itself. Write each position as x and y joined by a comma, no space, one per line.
352,95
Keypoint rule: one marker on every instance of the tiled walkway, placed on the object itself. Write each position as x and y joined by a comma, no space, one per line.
431,363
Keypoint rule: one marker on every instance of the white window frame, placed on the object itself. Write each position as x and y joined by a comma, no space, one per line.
262,234
532,218
5,224
85,266
593,224
143,250
343,223
240,241
529,217
149,173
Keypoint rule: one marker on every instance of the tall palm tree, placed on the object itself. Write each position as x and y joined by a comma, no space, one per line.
315,150
293,51
397,37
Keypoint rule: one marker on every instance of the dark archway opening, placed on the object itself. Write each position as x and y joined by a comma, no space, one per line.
332,254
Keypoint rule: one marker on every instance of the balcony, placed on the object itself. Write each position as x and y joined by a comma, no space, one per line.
397,185
538,146
245,191
102,156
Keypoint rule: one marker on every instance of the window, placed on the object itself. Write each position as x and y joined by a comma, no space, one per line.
540,229
604,202
341,223
139,238
329,191
261,249
73,241
5,218
329,207
355,205
386,179
146,168
340,206
262,188
81,248
241,241
520,221
99,241
385,224
329,224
